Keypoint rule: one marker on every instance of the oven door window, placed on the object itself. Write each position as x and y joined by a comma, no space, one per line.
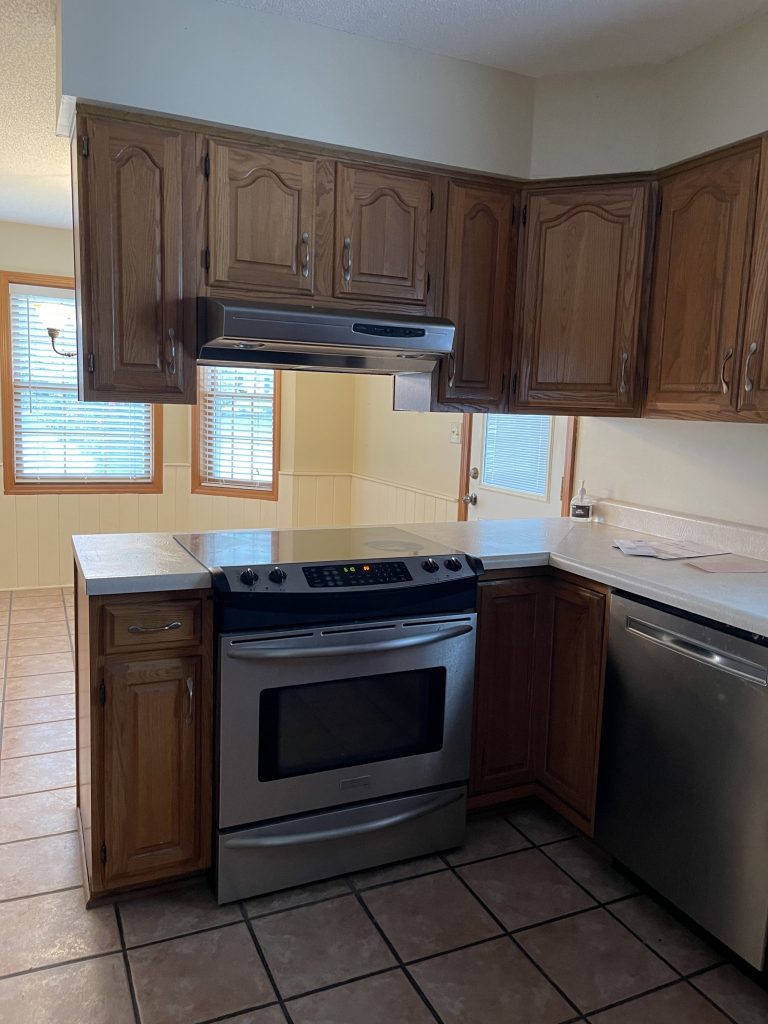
321,726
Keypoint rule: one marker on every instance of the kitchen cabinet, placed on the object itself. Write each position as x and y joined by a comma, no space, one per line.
700,356
477,294
581,298
144,736
265,214
136,261
509,658
382,234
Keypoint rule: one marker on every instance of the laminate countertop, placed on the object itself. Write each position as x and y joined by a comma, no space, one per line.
151,562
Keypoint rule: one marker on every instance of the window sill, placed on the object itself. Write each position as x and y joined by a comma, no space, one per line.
236,492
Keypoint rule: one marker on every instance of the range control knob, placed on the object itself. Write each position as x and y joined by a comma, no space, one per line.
248,577
453,564
277,575
429,565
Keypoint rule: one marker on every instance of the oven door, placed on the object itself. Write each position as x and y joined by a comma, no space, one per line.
317,717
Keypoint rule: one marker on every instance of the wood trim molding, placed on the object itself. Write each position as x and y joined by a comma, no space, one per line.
198,485
569,471
10,485
466,460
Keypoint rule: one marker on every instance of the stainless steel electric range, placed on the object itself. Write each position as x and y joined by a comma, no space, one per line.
344,677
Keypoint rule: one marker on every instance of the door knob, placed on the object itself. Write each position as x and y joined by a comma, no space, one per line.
470,499
474,473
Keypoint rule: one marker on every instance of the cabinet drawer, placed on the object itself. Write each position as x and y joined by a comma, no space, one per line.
151,626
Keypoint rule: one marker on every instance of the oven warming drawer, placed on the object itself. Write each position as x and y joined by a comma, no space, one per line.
292,852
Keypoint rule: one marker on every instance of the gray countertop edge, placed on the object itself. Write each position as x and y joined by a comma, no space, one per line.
148,584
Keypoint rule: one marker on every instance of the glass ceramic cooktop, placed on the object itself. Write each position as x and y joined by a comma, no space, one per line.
220,549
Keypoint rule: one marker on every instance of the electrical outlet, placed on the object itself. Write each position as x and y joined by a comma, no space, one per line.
456,433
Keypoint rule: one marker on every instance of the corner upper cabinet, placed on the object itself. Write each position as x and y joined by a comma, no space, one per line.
476,294
135,260
382,235
581,302
699,353
267,223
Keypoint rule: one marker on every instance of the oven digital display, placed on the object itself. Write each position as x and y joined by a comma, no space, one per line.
357,574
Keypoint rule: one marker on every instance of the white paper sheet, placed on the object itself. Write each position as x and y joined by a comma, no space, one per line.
667,550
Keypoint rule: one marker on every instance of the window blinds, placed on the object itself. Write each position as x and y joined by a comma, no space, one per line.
57,439
516,454
237,427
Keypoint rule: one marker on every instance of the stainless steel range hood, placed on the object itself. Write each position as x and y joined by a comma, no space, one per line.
236,333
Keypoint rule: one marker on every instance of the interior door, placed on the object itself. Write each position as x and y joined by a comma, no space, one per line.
518,465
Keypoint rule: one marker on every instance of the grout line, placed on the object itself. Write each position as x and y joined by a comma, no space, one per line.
238,1013
127,965
45,835
37,753
264,963
60,963
45,892
33,792
340,984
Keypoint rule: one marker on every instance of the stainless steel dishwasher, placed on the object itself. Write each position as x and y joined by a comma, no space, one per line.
683,789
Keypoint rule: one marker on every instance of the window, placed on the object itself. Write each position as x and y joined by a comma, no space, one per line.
52,443
517,454
235,436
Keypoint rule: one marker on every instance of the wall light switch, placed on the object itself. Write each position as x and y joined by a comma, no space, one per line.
456,433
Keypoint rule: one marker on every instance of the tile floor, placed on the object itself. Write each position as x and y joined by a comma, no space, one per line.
525,924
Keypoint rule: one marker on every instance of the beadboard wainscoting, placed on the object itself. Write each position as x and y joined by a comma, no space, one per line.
36,529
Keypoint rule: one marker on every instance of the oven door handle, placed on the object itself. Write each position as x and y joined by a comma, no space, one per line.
346,831
334,650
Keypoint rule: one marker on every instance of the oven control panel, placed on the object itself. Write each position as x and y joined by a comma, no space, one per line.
356,574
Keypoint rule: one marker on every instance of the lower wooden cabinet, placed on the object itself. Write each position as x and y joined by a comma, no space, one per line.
538,692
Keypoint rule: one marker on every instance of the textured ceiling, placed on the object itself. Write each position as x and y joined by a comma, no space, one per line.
533,37
34,163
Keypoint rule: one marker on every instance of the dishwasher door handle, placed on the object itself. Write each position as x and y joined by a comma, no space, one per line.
334,650
688,648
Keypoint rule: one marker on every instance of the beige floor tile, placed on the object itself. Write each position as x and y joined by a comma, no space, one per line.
39,664
91,992
32,646
296,897
594,959
42,599
487,836
48,685
678,1004
37,814
37,615
43,738
269,1015
538,823
665,935
32,630
321,944
43,592
735,993
199,976
427,915
384,999
173,913
36,773
583,861
524,888
43,930
493,983
3,648
34,710
396,872
39,865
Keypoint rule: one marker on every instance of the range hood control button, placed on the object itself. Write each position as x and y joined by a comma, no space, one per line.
248,577
277,575
429,565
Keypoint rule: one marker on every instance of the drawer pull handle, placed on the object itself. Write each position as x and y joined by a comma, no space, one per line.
623,379
167,628
346,260
190,700
726,359
748,382
306,254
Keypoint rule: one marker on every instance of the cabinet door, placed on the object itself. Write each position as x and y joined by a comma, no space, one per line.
700,286
581,306
261,219
753,375
137,262
509,657
569,696
153,761
382,234
476,293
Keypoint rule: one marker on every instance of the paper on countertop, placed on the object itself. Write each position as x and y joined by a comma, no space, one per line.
665,549
731,563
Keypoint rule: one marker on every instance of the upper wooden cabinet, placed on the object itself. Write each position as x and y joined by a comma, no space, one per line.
382,234
264,215
702,363
581,301
477,294
136,261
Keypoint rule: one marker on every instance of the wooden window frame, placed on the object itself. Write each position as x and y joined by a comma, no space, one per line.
10,484
200,487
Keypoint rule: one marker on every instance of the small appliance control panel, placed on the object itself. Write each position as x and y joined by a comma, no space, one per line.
303,579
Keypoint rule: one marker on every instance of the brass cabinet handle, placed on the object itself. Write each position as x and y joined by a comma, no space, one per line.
167,628
172,360
623,378
346,259
726,359
190,699
306,254
748,382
